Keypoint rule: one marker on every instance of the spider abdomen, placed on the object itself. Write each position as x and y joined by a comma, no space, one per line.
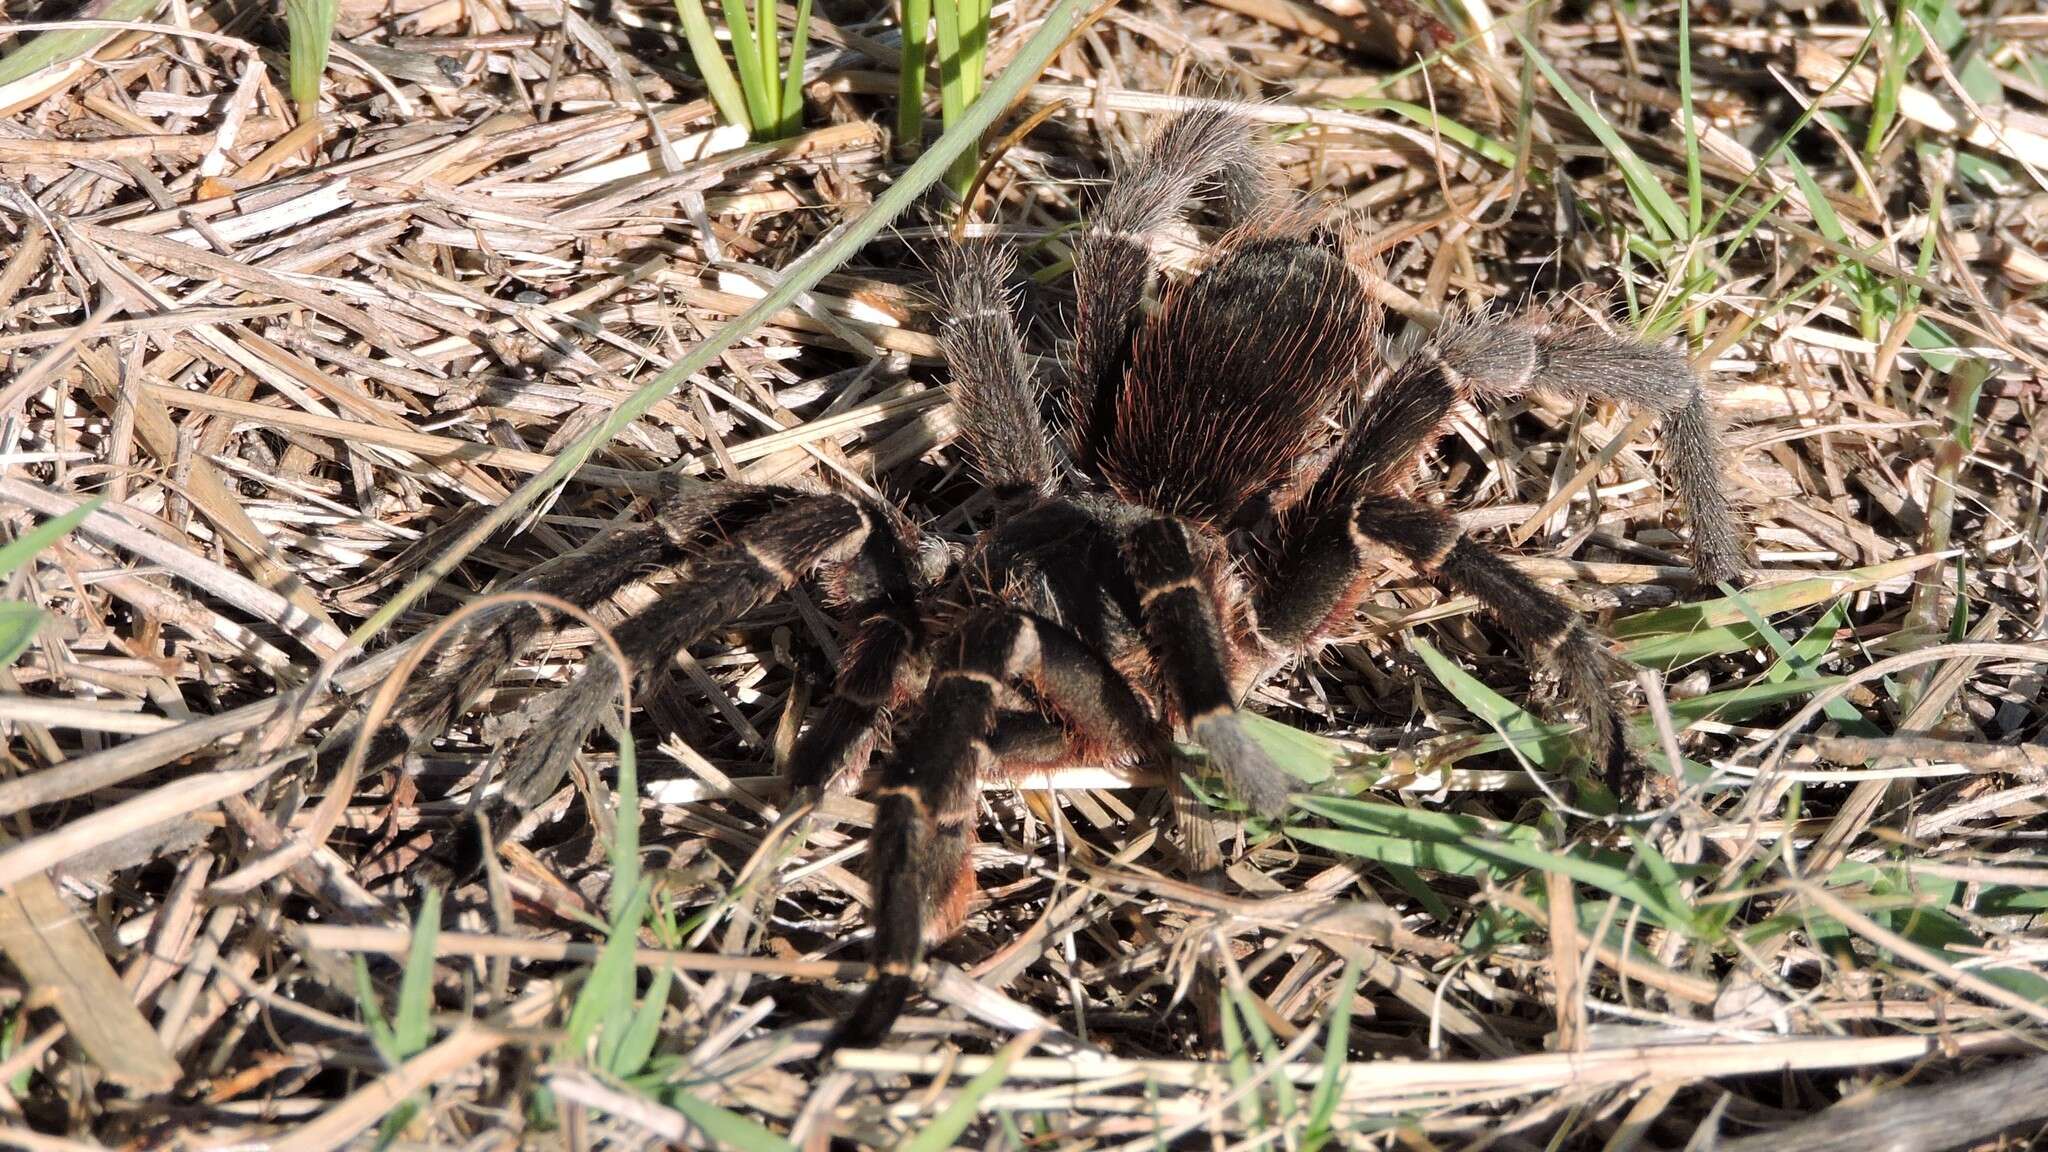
1229,379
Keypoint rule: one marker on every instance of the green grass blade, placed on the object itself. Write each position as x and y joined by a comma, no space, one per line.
1694,194
746,56
1784,139
643,1032
66,45
1239,1001
1661,216
1732,705
1484,147
1303,755
1238,1060
728,1129
381,1036
793,78
606,997
22,548
11,1043
946,1127
19,623
973,59
974,40
1322,1104
1664,637
1891,76
1056,25
1798,662
768,42
710,58
916,19
413,1025
1824,218
626,838
1544,745
309,25
952,88
1463,846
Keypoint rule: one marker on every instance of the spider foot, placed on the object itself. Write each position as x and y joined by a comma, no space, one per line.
1248,772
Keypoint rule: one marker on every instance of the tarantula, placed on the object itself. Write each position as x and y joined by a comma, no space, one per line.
1194,525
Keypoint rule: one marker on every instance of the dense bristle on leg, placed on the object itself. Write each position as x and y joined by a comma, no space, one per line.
918,857
924,812
1319,570
1182,629
885,664
1233,374
1192,148
491,640
1543,625
787,534
1585,361
994,394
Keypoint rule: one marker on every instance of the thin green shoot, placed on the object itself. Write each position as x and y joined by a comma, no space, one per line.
1480,145
767,97
64,45
1901,45
632,1051
727,1129
1801,658
1660,214
1458,845
793,76
1544,745
1238,1060
11,1043
410,1028
1695,199
963,52
309,24
604,1004
626,836
916,18
711,65
1322,1104
947,1126
1784,139
1285,1100
20,620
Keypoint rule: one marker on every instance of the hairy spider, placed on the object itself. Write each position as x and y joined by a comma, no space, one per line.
1227,466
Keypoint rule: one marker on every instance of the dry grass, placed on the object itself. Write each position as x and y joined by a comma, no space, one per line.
295,367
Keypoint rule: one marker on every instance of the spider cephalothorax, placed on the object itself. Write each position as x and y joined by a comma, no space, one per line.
1193,525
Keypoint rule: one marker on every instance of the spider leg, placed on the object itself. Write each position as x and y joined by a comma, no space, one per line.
1315,578
1549,630
763,556
885,665
1321,569
1584,361
1112,254
494,637
1030,740
1184,631
994,394
1310,584
919,856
